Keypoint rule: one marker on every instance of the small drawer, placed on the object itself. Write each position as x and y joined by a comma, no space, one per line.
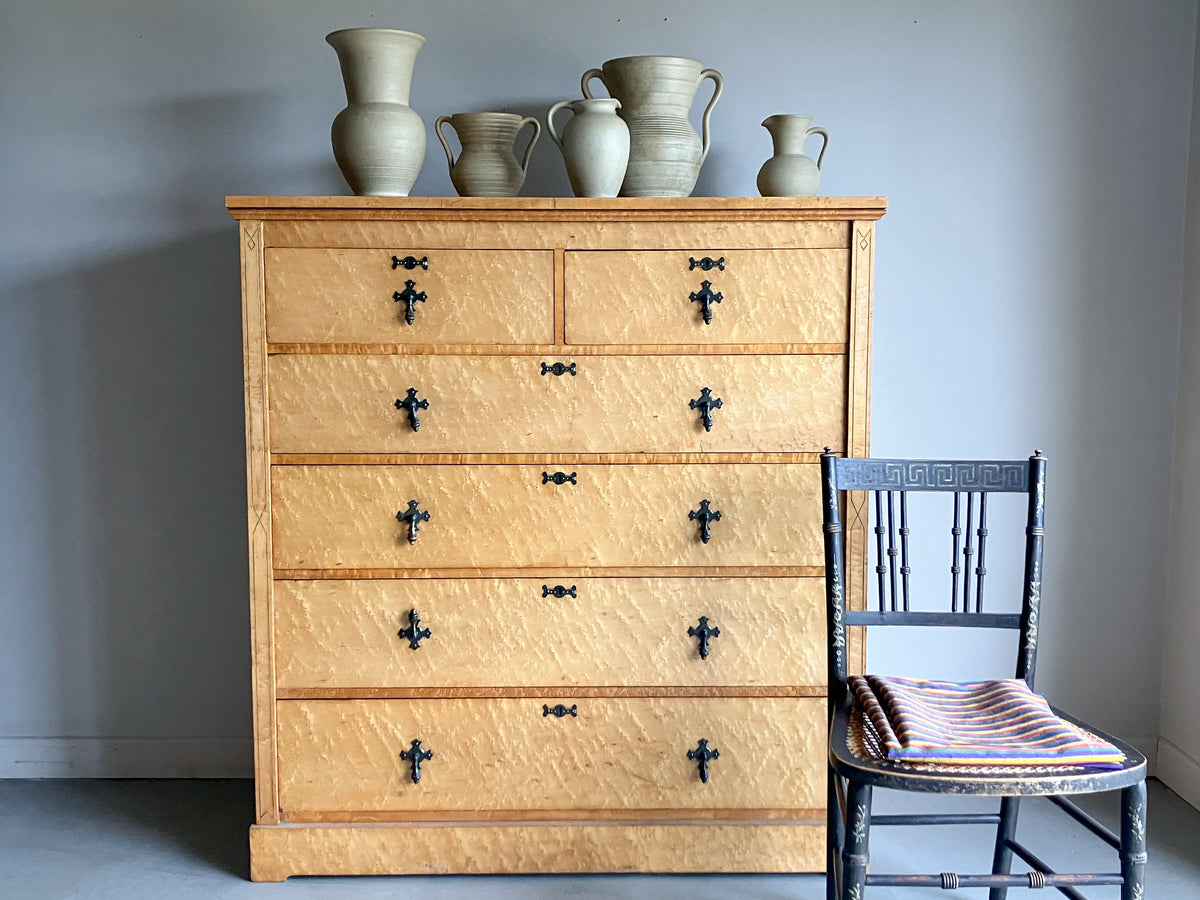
342,759
599,404
657,297
518,516
447,297
516,632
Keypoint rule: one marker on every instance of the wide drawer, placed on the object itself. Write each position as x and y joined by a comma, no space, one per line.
517,516
340,759
504,633
767,296
492,404
470,296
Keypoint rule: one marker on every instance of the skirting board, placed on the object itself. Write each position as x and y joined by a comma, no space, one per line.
1179,771
31,757
279,851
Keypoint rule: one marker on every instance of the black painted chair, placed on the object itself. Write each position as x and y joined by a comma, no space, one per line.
856,762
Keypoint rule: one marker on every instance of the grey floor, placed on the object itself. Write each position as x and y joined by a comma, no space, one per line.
187,839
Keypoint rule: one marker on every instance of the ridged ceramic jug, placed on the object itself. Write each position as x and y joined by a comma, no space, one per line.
656,92
378,141
594,145
789,173
486,165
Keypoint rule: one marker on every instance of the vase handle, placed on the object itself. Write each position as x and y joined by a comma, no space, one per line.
554,135
824,143
588,76
718,86
537,131
437,129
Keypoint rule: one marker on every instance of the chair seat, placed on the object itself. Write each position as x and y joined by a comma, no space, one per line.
856,752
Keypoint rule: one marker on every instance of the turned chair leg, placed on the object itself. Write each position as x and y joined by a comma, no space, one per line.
1005,831
1133,842
833,835
857,839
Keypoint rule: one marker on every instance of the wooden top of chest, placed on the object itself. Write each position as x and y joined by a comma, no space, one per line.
698,208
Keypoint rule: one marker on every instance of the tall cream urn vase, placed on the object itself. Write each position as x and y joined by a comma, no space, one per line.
656,92
378,141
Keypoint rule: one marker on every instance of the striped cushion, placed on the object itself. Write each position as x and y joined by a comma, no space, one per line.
978,723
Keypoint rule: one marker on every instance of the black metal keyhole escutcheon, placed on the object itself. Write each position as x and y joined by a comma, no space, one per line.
411,262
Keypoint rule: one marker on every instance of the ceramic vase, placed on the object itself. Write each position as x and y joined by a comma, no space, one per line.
594,145
486,165
656,92
789,173
378,141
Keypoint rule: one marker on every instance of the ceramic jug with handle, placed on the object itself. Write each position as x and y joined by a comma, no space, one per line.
656,92
594,144
789,173
486,165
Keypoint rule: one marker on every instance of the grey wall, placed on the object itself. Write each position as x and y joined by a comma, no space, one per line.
1179,744
1028,295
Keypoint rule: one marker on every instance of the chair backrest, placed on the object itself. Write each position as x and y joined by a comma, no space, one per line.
888,483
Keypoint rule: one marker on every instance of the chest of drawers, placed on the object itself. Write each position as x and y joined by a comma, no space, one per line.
535,550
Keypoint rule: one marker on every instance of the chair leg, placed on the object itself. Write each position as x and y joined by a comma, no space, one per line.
1133,842
858,828
1005,831
833,835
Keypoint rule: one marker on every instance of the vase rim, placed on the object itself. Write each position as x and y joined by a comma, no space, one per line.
680,59
486,112
786,116
370,30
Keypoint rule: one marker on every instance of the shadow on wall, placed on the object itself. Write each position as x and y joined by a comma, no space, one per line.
142,430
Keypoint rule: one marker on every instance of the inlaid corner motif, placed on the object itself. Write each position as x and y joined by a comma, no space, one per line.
250,233
864,239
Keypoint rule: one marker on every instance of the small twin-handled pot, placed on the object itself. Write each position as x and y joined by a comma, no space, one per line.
486,165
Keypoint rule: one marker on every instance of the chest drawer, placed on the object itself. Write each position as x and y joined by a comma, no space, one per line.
516,632
458,297
340,759
493,404
516,516
766,297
